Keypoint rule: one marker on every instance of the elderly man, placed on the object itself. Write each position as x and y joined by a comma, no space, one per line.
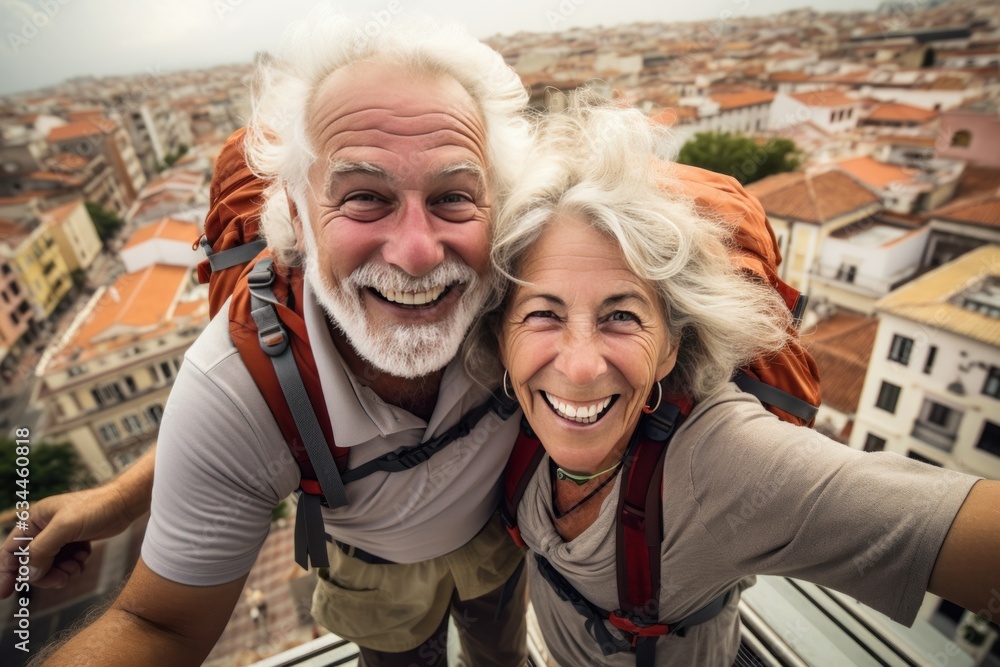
390,153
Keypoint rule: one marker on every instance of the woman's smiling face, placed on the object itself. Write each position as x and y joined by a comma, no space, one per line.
584,342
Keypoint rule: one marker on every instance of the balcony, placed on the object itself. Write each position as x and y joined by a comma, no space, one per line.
934,436
785,622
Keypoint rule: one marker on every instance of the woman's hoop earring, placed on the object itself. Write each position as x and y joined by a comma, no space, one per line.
659,399
505,392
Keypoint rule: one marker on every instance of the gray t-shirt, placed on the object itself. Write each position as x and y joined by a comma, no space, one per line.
747,494
222,465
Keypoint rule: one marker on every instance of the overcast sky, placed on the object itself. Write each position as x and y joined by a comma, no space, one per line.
101,37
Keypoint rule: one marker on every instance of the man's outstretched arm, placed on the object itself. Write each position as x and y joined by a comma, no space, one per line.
64,525
154,622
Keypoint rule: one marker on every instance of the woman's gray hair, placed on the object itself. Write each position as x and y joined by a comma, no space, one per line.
600,162
278,148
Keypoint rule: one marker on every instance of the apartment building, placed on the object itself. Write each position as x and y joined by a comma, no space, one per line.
16,315
105,383
74,233
805,209
33,253
932,391
102,136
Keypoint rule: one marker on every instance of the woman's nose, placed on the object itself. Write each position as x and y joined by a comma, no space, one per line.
580,357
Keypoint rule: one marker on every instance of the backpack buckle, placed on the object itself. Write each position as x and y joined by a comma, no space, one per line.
273,340
410,458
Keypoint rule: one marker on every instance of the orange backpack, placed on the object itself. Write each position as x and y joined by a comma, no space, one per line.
268,330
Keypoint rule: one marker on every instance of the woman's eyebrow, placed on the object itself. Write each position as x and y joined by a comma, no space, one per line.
618,299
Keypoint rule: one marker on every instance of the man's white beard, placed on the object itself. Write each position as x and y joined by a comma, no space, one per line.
401,350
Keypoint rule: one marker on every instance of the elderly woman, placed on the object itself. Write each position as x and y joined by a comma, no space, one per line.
622,300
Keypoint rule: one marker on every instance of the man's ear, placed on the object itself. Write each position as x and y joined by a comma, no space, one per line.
296,221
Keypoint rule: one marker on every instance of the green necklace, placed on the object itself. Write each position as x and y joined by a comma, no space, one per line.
562,473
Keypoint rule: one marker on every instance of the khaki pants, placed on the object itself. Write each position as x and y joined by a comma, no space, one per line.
399,614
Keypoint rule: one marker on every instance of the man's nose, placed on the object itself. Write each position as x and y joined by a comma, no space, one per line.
580,356
414,245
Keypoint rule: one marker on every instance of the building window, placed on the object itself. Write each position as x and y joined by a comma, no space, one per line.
847,272
110,433
168,371
961,139
132,424
937,425
923,459
888,396
900,349
989,441
992,385
154,413
939,414
873,443
107,394
929,362
130,383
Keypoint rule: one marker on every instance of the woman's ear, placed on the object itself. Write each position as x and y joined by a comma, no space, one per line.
667,362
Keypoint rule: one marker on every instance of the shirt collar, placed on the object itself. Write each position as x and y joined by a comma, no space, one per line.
358,414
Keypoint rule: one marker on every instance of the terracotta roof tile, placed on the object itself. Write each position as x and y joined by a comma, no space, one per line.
975,179
74,130
68,161
13,232
891,111
877,174
824,98
842,347
167,229
135,300
813,197
979,209
742,99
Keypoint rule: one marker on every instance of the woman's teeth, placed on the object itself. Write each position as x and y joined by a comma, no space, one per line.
584,414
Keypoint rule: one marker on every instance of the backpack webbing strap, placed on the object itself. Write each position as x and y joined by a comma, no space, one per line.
225,259
405,458
595,617
775,397
310,534
521,465
274,341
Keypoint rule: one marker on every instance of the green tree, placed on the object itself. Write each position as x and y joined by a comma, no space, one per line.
106,222
52,469
740,156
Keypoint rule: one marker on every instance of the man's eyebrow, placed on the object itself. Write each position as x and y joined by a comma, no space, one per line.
466,167
339,168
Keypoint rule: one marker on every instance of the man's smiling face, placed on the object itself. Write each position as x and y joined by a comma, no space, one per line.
397,217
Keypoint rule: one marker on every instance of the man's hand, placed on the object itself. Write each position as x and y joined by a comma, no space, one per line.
64,525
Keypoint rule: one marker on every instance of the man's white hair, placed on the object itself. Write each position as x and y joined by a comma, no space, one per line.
278,148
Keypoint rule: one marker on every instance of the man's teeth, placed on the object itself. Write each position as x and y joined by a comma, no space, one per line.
584,414
413,298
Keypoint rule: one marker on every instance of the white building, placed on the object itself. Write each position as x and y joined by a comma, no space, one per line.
167,242
932,391
864,261
830,110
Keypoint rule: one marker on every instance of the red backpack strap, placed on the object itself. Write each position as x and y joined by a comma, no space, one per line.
521,465
639,530
269,332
